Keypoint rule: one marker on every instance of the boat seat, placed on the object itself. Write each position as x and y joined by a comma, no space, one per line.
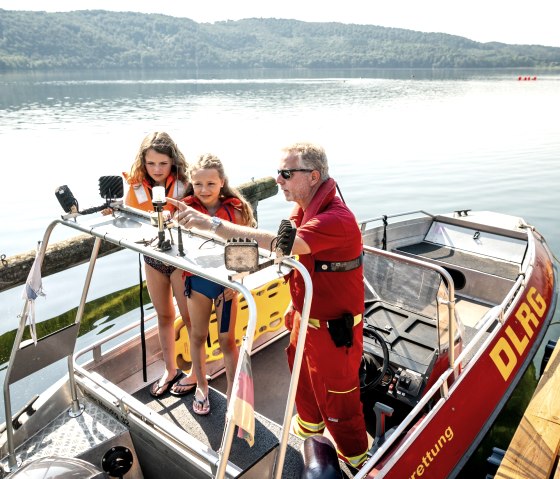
320,459
455,257
60,467
467,269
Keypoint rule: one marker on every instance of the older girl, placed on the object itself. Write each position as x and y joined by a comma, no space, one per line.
159,162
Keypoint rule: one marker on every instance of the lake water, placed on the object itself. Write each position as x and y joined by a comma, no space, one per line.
396,140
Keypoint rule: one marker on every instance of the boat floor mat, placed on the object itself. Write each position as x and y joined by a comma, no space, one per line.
209,429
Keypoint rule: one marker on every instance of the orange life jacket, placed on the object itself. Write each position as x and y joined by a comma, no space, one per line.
139,195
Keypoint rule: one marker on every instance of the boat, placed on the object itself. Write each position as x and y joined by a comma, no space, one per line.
456,305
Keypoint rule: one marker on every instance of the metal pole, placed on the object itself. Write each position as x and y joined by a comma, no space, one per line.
78,408
296,367
12,461
246,346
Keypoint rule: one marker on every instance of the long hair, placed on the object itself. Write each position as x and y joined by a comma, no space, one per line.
208,161
162,143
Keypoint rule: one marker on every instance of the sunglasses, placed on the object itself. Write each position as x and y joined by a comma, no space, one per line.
287,174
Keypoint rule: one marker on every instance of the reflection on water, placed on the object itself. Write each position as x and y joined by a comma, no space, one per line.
397,141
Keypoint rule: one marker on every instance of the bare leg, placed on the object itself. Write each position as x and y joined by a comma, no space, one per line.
178,285
199,311
227,341
159,287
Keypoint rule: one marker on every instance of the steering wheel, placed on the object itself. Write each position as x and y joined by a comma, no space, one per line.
373,368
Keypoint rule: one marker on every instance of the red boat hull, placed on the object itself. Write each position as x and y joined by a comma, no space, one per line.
476,397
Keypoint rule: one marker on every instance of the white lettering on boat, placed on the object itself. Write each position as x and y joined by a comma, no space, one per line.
511,345
429,456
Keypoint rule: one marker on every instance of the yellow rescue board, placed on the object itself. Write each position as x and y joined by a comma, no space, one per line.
272,299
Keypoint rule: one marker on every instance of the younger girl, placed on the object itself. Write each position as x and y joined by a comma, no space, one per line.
210,193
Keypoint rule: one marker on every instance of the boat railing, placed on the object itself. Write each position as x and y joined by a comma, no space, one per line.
364,223
447,280
440,389
108,229
26,359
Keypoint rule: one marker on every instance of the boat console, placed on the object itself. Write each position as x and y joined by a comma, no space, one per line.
412,345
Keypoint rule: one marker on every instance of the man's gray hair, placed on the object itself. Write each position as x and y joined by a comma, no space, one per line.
310,156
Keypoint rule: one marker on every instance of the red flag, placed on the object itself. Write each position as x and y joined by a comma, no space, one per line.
244,405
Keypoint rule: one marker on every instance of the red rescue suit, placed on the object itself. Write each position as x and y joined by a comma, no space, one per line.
328,393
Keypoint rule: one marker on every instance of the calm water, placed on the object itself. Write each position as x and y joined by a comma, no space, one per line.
397,141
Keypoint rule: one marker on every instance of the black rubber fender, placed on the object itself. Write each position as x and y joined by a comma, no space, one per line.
320,459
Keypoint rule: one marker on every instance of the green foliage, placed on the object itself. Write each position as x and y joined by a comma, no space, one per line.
99,313
97,39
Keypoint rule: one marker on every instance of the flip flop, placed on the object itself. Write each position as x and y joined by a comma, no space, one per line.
186,389
157,391
202,404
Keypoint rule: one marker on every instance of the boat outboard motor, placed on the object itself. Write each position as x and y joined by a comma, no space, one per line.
320,459
51,467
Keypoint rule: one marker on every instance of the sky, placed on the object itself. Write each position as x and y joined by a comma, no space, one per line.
506,21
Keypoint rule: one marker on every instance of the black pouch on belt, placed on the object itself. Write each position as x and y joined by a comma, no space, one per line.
341,330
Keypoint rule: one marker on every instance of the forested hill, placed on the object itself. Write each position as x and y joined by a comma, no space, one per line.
101,39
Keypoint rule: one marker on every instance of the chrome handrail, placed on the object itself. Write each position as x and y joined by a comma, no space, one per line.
363,223
246,346
448,280
296,365
12,460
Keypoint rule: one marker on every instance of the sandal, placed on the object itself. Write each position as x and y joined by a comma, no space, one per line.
203,405
178,389
157,391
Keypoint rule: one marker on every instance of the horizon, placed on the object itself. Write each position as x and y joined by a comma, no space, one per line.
500,21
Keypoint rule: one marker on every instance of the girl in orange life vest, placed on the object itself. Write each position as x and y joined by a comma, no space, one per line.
159,162
211,194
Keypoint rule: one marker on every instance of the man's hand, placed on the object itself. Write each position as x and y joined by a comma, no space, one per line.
189,217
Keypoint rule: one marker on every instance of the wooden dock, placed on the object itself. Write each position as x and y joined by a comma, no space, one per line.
533,451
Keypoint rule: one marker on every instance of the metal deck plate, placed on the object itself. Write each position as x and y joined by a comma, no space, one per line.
68,437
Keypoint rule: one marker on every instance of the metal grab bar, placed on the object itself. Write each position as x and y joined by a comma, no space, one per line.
297,365
448,280
12,460
246,345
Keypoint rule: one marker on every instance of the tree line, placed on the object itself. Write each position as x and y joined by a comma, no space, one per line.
97,39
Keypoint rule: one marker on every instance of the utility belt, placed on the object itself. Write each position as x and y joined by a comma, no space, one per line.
338,266
340,329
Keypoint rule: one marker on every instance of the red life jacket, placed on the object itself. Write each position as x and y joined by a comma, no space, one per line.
226,211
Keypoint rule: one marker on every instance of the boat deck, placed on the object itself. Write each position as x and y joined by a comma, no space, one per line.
534,449
92,433
209,429
71,436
